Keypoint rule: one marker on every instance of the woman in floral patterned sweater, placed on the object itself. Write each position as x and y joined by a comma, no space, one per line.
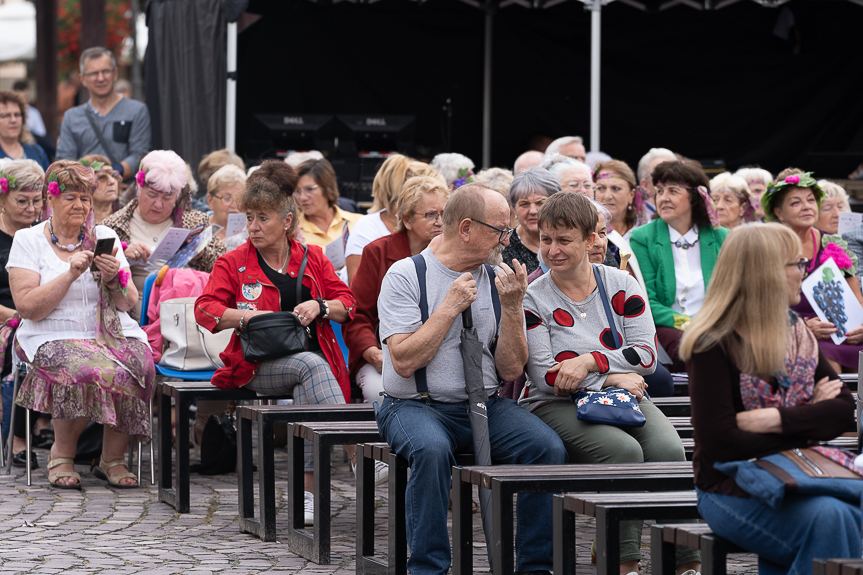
572,348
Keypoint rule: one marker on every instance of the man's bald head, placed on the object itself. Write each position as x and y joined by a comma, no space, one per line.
527,160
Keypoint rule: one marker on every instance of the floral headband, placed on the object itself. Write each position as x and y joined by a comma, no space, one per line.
7,182
705,197
794,180
465,176
101,167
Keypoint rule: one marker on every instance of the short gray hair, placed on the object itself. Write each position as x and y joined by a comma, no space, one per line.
534,180
93,53
555,146
602,211
834,190
449,164
558,163
646,159
27,173
498,179
755,176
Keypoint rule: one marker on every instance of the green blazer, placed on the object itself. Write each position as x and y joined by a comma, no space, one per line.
651,244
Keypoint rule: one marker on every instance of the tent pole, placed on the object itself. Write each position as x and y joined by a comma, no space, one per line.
231,96
486,88
595,47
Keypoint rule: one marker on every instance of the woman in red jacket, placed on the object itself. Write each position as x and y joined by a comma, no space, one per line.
420,219
260,277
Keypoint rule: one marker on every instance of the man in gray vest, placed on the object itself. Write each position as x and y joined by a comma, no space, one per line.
427,427
107,124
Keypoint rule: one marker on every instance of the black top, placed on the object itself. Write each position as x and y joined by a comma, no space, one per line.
287,287
5,292
517,250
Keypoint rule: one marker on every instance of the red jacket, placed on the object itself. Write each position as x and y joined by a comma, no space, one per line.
238,269
378,256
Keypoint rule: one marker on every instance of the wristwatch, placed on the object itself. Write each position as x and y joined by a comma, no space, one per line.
325,307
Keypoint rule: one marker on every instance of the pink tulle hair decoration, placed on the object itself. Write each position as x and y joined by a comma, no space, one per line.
54,189
838,254
14,322
141,178
4,185
793,179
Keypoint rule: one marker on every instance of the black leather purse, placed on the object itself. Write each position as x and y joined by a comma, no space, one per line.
279,334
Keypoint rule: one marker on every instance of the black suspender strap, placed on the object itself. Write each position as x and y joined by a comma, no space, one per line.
420,374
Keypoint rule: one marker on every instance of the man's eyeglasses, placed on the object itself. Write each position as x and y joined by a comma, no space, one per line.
96,74
504,234
433,216
576,186
801,264
24,204
16,115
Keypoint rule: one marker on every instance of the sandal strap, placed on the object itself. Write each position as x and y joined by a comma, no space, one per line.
74,474
61,461
106,465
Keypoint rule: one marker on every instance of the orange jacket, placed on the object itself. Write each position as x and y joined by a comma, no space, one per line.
237,282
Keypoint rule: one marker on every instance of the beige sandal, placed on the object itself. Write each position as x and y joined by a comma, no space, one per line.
52,479
114,480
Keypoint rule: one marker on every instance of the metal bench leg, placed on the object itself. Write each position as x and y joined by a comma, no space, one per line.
165,467
607,542
662,554
10,439
245,478
27,439
502,536
564,537
462,525
365,511
398,530
267,480
713,556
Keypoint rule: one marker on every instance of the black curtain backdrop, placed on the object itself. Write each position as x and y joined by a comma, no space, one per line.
186,76
707,84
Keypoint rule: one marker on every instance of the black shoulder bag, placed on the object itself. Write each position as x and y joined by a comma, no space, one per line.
280,334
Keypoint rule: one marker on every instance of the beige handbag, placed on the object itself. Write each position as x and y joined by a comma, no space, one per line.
187,346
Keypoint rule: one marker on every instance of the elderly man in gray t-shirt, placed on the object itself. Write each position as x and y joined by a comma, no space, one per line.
428,429
122,126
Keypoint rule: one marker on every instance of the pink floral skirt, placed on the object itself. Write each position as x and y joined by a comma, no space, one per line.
71,378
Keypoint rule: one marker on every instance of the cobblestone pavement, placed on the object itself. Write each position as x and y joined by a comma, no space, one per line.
106,530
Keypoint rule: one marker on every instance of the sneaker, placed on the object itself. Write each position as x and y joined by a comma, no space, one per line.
382,473
309,507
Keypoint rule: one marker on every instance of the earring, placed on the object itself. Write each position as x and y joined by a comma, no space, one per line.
629,208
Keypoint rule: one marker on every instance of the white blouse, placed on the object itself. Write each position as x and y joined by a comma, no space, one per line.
689,290
75,315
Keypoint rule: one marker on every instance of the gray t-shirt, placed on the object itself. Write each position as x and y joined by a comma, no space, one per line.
126,130
399,312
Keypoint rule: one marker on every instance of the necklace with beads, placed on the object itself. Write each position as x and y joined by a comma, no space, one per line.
684,245
56,241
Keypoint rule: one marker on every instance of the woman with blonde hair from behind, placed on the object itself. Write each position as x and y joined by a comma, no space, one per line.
382,218
753,367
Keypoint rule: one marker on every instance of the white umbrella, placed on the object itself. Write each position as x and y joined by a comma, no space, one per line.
17,31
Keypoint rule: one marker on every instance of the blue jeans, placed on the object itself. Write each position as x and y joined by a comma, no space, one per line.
428,435
786,540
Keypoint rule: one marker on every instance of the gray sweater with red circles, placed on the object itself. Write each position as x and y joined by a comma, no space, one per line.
557,332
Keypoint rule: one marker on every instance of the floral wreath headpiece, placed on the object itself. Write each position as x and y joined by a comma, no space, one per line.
54,186
794,180
465,176
96,166
7,182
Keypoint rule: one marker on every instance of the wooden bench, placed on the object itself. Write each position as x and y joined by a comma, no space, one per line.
174,472
315,546
264,418
397,546
714,549
610,509
673,406
504,481
837,567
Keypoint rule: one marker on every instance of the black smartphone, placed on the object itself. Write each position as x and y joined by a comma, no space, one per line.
103,246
